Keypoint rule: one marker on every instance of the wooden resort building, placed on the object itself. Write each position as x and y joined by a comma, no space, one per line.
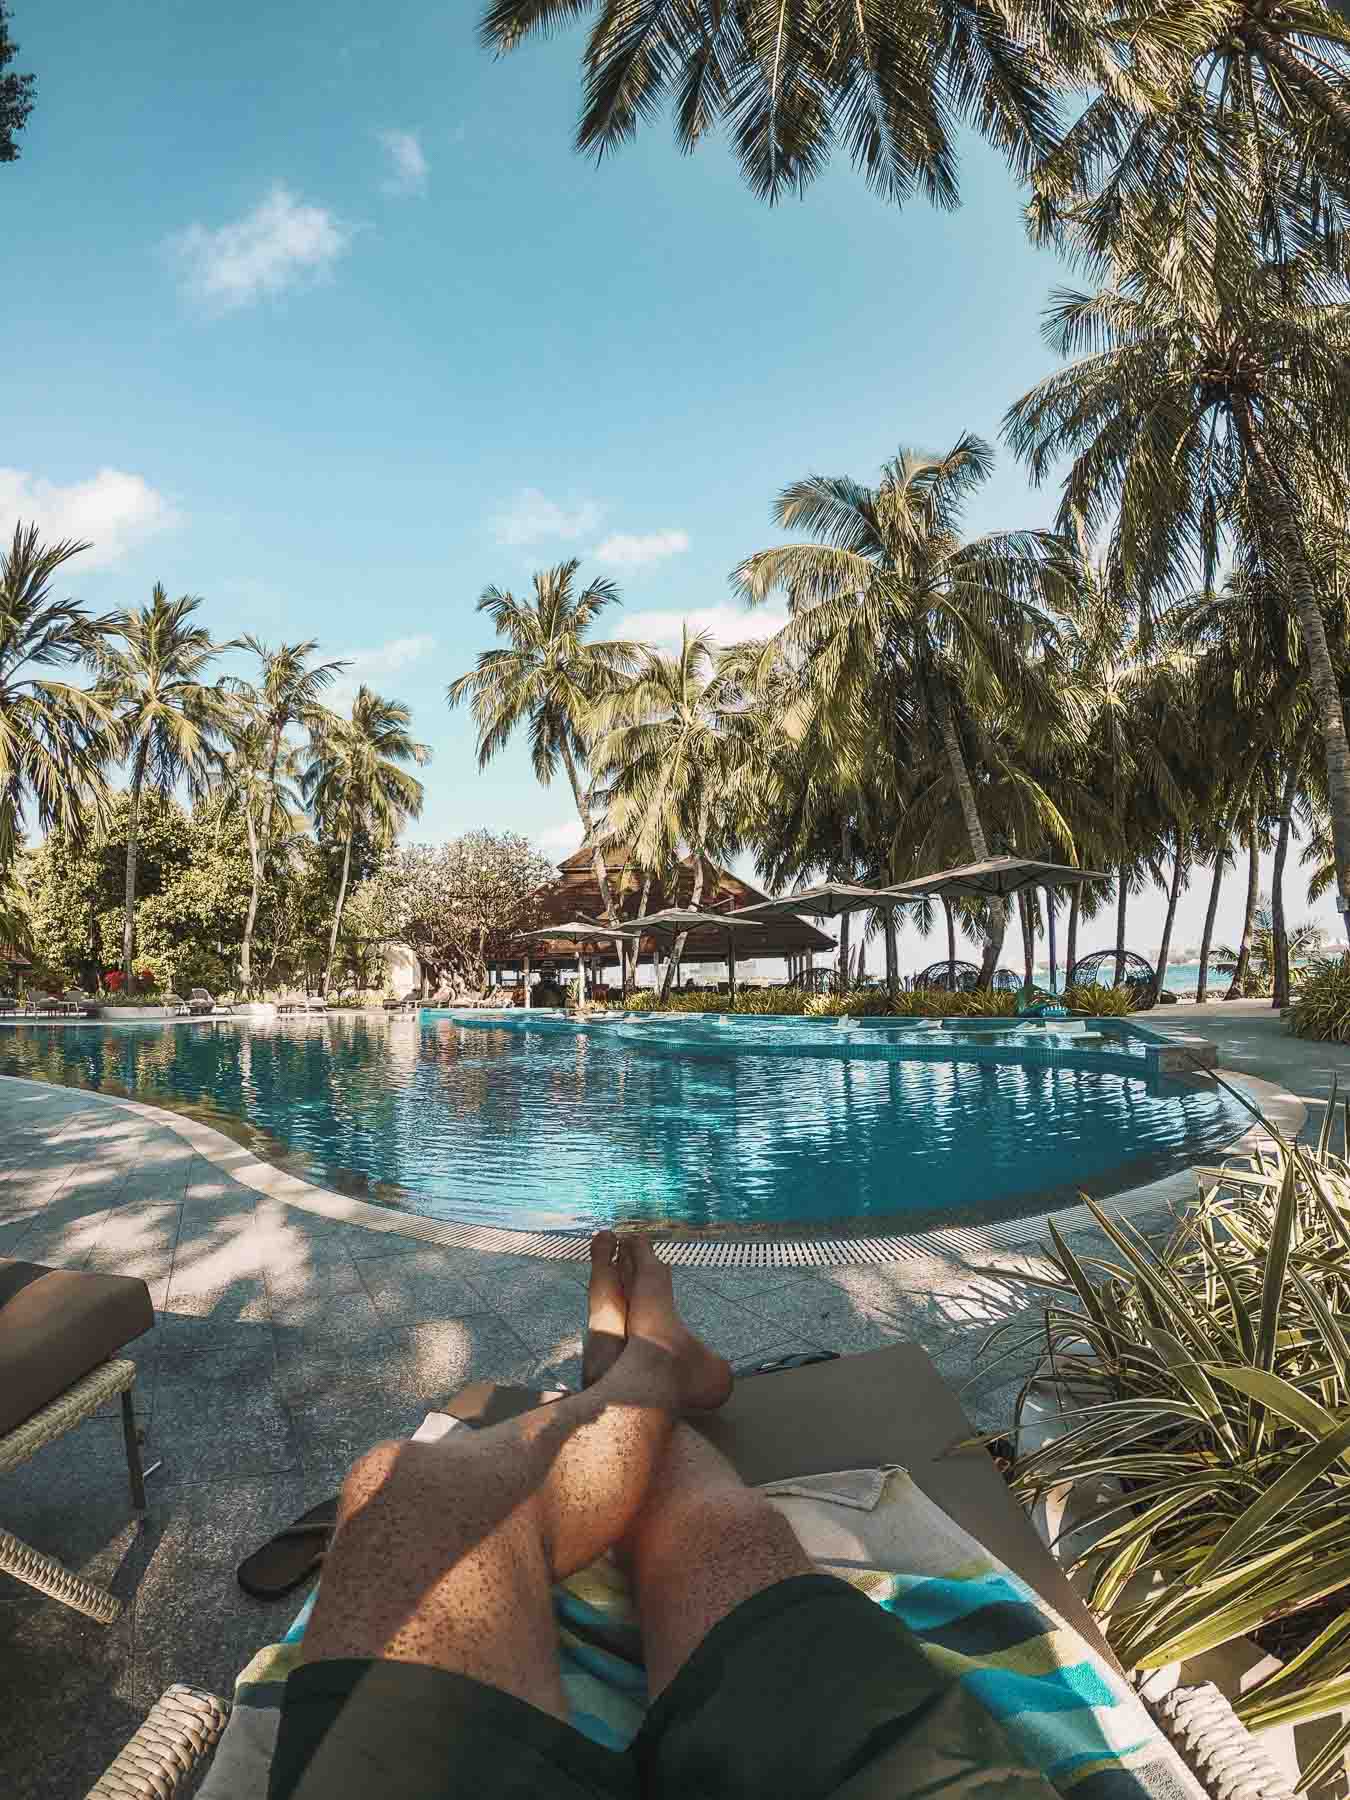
576,895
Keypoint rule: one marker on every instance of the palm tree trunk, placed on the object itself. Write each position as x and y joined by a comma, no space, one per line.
1326,689
1122,900
1279,931
842,963
1244,955
892,953
979,846
337,915
133,846
677,948
1071,940
846,874
637,941
1173,895
951,939
1211,912
254,900
1050,937
1309,84
584,814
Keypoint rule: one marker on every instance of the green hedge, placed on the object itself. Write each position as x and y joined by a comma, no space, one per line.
924,1003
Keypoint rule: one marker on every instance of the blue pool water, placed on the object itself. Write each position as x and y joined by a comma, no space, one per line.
532,1123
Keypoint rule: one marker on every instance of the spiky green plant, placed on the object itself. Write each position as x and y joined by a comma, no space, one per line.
1322,1009
1101,1002
1211,1379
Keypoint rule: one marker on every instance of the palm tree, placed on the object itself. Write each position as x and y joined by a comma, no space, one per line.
668,749
287,695
55,739
1209,408
251,782
549,678
893,592
354,782
170,721
892,83
1193,103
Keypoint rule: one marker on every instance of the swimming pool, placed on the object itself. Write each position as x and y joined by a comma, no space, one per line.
531,1122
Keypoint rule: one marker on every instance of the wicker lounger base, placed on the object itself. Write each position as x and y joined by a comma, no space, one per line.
42,1572
180,1731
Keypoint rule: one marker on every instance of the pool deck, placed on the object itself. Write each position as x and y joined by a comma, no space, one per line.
289,1339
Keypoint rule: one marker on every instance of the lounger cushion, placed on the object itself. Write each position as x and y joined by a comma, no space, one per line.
55,1326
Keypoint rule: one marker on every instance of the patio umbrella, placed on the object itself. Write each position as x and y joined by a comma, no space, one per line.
825,901
996,879
673,920
828,900
579,932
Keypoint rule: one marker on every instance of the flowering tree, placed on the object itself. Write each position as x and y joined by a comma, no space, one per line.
456,905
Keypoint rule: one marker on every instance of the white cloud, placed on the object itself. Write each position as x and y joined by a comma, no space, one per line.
560,840
281,242
374,667
532,516
408,165
728,624
626,551
113,510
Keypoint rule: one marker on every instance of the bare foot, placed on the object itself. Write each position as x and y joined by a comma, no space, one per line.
704,1378
606,1311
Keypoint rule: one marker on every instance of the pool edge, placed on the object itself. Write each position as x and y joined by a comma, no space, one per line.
1284,1110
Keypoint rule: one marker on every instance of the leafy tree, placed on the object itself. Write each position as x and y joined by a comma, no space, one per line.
456,905
170,721
1208,409
891,590
16,92
55,739
893,82
548,679
354,783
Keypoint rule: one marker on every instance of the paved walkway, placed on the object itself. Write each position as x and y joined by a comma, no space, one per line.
1254,1040
284,1344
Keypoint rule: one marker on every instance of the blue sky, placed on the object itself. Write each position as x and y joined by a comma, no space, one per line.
318,315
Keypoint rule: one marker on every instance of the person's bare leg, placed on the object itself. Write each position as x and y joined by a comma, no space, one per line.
445,1553
702,1541
606,1310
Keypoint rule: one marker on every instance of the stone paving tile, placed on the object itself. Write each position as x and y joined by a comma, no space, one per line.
422,1285
219,1414
70,1697
193,1621
192,1319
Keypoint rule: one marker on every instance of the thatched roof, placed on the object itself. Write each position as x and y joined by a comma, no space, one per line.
576,893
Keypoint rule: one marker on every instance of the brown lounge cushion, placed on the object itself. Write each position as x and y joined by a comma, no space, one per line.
55,1326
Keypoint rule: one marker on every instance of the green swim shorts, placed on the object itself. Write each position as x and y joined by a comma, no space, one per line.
806,1690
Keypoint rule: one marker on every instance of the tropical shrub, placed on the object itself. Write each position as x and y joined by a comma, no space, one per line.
752,1000
859,1003
1322,1008
1101,1002
937,1003
1212,1379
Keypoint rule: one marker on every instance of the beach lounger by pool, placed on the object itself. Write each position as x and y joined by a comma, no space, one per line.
861,1412
200,1001
77,1003
42,1006
9,1005
316,1003
177,1005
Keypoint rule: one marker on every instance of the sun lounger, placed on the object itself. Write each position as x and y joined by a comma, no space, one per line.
200,1001
77,1003
9,1005
42,1006
177,1005
289,1003
316,1003
862,1412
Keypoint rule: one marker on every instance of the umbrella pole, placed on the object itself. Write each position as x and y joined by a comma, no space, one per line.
581,977
1050,933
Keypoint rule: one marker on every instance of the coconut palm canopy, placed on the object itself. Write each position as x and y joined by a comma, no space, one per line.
994,879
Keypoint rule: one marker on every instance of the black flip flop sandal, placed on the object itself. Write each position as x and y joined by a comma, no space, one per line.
290,1557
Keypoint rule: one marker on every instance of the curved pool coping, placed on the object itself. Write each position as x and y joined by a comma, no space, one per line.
1284,1110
